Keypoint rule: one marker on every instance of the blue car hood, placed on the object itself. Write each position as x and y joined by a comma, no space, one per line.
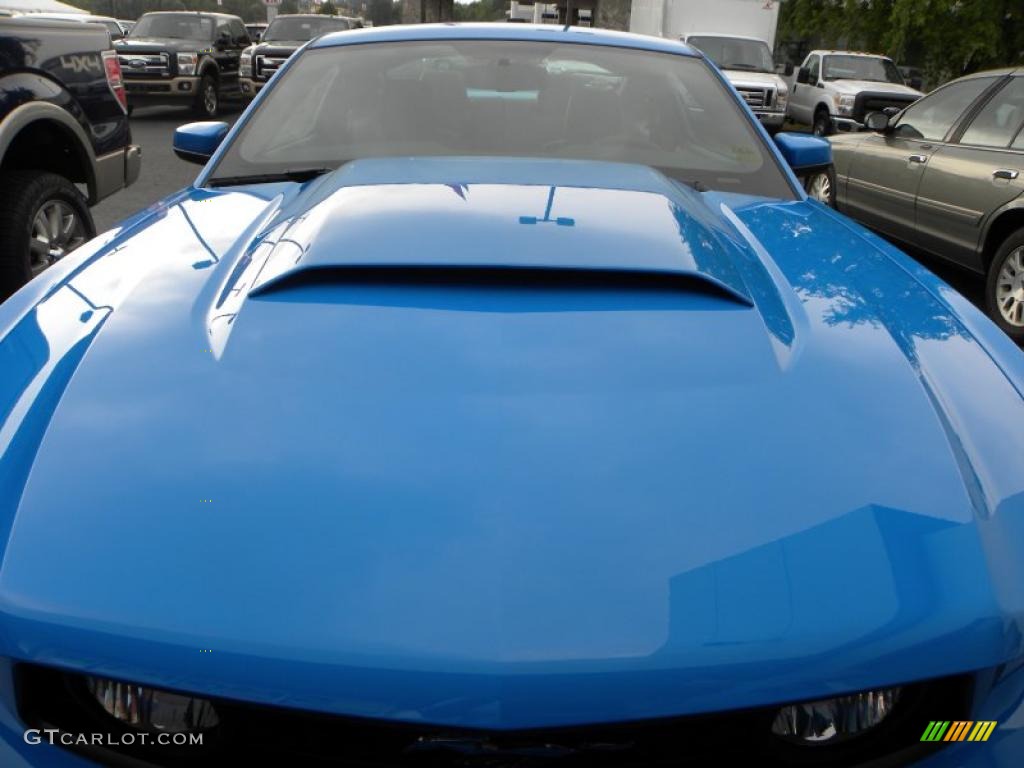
504,445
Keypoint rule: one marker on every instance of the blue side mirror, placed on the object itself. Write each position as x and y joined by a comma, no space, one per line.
196,142
804,152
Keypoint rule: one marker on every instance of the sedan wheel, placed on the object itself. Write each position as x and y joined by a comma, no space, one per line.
56,231
1010,289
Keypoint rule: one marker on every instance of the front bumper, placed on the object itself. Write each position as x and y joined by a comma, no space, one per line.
249,86
161,89
772,119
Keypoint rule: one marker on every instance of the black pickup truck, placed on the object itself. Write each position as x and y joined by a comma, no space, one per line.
285,35
183,57
63,126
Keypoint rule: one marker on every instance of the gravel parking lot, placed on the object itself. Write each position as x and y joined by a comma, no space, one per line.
163,173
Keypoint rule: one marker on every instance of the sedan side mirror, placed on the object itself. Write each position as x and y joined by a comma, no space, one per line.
877,122
804,153
196,142
804,75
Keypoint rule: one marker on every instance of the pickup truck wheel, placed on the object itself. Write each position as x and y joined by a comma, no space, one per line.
1004,289
207,99
821,185
43,217
822,123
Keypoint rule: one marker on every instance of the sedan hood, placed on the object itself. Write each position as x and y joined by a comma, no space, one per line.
503,444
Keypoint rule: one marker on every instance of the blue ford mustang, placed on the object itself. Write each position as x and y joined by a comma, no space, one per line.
496,396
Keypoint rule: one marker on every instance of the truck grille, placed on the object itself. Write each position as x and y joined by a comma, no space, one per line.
267,66
144,64
757,98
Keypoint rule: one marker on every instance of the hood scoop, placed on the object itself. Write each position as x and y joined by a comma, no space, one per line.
503,235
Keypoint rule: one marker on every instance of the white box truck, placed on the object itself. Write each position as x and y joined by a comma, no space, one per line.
738,35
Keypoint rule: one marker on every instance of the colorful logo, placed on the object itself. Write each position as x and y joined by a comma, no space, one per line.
960,730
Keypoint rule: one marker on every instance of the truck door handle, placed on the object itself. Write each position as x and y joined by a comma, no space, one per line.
1006,174
919,159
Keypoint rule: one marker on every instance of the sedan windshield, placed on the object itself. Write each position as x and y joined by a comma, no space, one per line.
184,26
302,28
735,52
872,68
505,98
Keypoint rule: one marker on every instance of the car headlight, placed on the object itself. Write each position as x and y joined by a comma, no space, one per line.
781,97
187,63
829,720
845,105
152,708
245,64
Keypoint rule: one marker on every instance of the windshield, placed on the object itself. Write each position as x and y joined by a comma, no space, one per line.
183,26
505,98
735,52
872,68
303,28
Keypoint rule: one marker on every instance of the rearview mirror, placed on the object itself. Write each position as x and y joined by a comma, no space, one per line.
877,122
196,142
804,75
803,152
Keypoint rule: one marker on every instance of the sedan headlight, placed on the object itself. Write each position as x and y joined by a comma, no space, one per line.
151,708
245,64
187,63
845,105
829,720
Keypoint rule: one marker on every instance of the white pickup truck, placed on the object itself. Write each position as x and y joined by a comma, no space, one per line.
747,63
836,90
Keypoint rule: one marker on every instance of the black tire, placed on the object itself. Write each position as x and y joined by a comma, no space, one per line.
821,185
822,123
23,195
207,101
1005,286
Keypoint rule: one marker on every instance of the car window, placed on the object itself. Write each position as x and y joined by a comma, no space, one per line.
871,68
178,26
814,68
933,116
1000,119
301,28
506,98
735,52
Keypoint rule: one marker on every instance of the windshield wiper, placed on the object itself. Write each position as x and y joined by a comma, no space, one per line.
301,174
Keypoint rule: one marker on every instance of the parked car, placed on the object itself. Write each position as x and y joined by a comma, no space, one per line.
62,126
183,57
835,90
748,64
113,25
946,175
285,35
126,25
495,396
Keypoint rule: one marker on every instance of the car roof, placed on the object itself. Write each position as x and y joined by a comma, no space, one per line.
83,17
728,35
524,32
193,13
865,54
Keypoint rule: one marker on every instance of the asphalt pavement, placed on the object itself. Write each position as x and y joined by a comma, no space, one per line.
163,173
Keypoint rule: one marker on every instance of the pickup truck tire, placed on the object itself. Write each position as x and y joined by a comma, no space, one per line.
43,217
1004,288
207,97
822,123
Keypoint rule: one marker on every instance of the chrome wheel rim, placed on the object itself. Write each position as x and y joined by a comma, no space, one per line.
821,188
1010,289
56,231
210,99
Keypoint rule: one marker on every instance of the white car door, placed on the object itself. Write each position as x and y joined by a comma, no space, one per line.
803,96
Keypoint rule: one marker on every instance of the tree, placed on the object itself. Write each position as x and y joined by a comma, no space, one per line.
327,8
946,38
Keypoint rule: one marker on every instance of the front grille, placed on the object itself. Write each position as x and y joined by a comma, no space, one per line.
266,66
757,98
866,103
148,88
144,64
251,734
